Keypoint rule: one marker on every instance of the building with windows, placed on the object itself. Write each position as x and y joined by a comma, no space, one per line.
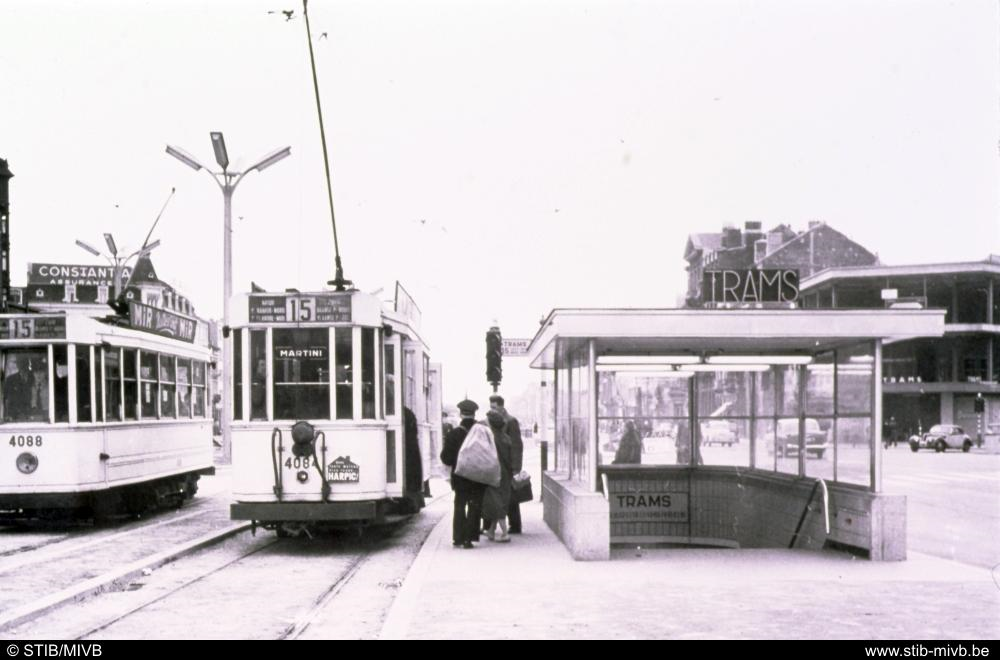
933,380
810,251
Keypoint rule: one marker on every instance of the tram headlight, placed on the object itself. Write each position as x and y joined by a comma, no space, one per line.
304,439
27,463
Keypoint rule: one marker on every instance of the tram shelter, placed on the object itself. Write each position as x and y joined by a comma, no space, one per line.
739,428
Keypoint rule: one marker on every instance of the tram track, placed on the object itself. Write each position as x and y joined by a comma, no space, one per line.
234,585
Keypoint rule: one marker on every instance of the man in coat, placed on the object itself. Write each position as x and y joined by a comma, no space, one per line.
468,494
513,430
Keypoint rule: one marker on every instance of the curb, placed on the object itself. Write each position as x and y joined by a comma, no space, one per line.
397,621
98,584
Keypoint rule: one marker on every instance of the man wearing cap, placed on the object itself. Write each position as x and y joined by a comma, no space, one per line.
513,430
468,494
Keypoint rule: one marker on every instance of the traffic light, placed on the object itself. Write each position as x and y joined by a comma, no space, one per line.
494,354
980,404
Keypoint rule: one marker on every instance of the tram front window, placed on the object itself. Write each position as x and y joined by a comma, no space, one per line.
26,385
301,373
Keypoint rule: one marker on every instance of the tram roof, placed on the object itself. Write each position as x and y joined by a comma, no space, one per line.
759,331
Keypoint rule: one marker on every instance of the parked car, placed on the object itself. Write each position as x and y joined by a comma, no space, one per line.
941,437
718,432
787,443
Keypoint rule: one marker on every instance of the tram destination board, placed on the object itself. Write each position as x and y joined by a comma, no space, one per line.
33,327
300,308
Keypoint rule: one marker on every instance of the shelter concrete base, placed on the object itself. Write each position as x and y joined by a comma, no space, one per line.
577,516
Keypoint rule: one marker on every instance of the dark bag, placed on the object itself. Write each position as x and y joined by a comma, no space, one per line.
521,484
522,494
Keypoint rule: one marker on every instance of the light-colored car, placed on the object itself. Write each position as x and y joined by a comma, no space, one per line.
941,437
718,432
787,442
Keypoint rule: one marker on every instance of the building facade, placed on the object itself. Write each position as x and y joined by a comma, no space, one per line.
937,380
816,249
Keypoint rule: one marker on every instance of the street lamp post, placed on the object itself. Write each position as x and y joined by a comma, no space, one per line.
116,261
227,182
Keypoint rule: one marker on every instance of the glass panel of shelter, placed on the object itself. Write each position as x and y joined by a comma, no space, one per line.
831,431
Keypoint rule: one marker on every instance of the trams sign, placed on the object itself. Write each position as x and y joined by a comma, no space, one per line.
161,322
739,287
300,308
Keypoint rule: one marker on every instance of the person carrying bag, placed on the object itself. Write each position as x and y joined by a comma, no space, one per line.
477,459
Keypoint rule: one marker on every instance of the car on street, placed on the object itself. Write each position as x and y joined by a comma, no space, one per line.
718,432
941,437
787,441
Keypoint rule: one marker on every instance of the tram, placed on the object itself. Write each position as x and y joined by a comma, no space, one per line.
335,400
102,414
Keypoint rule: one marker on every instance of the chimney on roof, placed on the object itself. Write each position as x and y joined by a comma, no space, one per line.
774,240
815,223
731,237
752,232
759,249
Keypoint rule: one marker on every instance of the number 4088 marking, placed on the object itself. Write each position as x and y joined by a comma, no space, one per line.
25,441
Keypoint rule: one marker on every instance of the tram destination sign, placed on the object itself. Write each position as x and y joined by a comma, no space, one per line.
749,286
33,327
300,308
161,322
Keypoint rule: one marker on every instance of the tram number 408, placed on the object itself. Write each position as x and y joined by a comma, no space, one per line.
25,441
298,463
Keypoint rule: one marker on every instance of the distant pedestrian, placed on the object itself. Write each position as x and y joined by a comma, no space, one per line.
496,499
512,428
468,494
629,450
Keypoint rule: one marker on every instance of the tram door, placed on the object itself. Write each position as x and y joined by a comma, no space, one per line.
392,360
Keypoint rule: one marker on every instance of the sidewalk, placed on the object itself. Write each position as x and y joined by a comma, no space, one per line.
531,588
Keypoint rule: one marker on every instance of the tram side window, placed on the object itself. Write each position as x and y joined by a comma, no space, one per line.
147,384
60,355
26,385
112,385
168,392
98,385
238,374
390,379
184,388
198,389
367,373
83,407
343,359
131,386
301,373
258,375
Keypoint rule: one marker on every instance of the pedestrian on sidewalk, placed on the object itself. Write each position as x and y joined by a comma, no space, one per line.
512,428
468,494
496,500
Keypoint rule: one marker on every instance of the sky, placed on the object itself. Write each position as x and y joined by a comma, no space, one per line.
499,159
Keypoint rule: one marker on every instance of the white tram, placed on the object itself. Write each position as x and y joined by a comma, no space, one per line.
101,415
322,383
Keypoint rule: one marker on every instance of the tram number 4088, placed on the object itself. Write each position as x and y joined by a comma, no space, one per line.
25,441
298,463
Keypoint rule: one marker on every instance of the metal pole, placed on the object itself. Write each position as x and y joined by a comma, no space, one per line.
227,351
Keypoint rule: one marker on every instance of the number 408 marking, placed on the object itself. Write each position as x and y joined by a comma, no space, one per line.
25,441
